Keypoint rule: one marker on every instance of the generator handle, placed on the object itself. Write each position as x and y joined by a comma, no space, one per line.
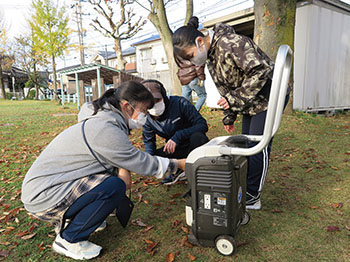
279,86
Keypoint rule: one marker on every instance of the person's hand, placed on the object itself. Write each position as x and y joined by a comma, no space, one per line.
229,128
223,103
125,175
181,163
169,146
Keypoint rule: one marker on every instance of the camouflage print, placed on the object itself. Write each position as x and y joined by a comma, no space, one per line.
240,70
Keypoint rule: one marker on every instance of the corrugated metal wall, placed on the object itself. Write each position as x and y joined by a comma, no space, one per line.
321,58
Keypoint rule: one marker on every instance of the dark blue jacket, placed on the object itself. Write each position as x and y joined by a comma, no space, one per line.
179,120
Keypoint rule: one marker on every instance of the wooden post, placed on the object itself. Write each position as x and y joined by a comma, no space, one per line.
82,96
77,87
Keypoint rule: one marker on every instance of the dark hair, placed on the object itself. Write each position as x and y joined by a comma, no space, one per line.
130,91
161,89
185,36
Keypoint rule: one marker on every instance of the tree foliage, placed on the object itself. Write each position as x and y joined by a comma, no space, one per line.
119,27
29,59
6,54
50,31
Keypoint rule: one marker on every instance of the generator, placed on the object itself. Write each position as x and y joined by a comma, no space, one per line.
220,185
217,172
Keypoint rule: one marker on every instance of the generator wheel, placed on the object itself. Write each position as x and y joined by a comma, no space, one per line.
245,218
226,245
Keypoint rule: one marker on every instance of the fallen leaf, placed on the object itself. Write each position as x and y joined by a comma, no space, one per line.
23,233
176,195
337,189
185,242
139,197
148,228
347,227
28,236
172,202
334,167
149,241
176,223
333,228
4,253
138,222
151,247
239,244
309,170
313,207
276,211
337,205
192,258
5,243
146,202
170,257
185,229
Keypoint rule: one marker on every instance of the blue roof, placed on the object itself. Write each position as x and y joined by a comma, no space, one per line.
149,39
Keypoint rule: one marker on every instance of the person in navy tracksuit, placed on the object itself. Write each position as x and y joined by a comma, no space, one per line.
177,121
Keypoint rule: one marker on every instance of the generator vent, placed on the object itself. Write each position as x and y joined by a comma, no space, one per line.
214,178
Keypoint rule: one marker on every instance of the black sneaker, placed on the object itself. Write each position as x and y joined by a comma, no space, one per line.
173,178
253,202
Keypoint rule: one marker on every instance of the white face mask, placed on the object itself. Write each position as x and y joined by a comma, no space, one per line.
201,56
137,123
157,109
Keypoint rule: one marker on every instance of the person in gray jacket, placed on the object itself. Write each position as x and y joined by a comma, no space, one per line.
67,182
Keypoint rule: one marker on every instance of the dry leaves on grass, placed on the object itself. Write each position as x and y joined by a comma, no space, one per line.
170,257
4,253
333,228
192,258
151,246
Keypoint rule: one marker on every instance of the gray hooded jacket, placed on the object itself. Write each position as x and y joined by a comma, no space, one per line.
67,159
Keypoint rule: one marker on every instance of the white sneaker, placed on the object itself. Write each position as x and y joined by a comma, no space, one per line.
80,250
101,227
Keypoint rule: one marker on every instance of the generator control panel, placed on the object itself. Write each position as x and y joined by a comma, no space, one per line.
213,202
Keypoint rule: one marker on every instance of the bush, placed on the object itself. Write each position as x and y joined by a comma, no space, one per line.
31,94
8,96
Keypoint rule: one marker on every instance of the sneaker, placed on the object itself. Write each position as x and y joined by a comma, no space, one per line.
253,202
173,178
80,250
101,227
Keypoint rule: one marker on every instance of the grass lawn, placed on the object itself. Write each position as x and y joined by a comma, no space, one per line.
305,212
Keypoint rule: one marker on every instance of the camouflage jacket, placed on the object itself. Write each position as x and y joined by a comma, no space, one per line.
240,70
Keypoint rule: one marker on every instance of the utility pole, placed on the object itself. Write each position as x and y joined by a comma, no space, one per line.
106,52
79,19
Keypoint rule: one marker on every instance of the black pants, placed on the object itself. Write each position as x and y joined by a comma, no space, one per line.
183,150
257,164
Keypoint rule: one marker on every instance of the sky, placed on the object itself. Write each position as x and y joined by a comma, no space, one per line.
17,11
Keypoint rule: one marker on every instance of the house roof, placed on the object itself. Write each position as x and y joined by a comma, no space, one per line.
89,72
147,40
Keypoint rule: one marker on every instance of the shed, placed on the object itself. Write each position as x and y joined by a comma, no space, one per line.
98,77
322,56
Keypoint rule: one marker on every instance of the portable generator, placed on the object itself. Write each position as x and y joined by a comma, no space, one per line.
217,172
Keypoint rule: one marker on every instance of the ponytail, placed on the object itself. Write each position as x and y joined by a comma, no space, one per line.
130,91
186,36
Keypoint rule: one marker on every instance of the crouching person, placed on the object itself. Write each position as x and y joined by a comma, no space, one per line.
67,182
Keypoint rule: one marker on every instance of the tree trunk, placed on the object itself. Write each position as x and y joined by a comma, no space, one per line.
35,83
274,26
118,52
54,78
160,21
189,10
2,86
